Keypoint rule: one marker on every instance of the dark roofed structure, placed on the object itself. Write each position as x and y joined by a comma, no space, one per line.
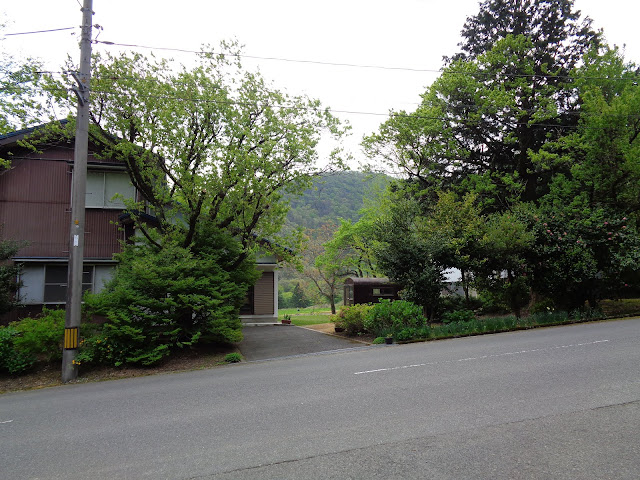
369,290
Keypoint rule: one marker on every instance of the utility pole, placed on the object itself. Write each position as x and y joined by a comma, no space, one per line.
78,192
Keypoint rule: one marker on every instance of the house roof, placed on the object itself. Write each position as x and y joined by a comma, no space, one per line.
368,280
13,137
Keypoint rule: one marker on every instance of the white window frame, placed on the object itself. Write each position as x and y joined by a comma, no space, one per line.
105,202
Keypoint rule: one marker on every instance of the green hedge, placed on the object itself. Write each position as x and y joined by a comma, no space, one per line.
29,340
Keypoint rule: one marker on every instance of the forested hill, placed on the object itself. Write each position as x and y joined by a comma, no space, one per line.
333,196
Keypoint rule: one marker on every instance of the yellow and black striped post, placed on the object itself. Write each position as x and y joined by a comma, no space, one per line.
71,338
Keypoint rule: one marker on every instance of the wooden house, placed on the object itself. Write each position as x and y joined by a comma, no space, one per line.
35,208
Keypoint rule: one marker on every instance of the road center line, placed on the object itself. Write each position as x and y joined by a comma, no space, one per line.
7,421
521,352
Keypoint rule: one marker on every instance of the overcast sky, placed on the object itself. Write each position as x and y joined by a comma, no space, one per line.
410,34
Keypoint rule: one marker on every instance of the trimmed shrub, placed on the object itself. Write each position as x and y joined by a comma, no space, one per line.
352,318
388,316
162,300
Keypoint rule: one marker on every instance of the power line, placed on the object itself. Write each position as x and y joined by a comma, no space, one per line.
308,108
279,59
491,115
355,65
40,31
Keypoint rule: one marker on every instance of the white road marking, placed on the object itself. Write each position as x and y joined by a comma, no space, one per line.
389,369
7,421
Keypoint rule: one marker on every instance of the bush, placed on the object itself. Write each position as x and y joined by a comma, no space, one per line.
388,316
11,360
405,334
378,340
458,316
233,357
352,318
161,300
42,336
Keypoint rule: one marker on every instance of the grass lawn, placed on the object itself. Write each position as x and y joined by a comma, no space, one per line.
306,316
302,320
304,311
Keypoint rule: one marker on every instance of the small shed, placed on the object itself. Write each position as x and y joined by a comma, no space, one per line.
368,290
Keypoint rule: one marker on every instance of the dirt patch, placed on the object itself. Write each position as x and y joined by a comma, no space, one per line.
181,361
329,328
322,327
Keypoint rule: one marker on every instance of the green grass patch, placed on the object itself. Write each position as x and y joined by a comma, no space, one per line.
304,311
302,320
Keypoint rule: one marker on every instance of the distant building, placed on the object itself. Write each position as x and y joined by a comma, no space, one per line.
368,290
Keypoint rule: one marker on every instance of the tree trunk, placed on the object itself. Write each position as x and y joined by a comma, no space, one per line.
332,300
465,285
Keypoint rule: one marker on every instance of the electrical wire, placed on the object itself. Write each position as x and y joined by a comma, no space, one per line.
354,65
40,31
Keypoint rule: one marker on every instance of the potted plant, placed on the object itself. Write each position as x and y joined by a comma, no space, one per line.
389,339
338,327
286,320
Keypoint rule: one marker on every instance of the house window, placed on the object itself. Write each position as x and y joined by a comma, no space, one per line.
383,292
102,187
55,282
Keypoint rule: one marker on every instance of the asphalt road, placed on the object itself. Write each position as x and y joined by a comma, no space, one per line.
555,403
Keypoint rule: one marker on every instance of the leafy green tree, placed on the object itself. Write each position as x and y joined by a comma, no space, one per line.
408,255
558,35
20,103
325,270
502,99
299,298
586,228
211,144
533,118
460,227
506,246
212,151
351,248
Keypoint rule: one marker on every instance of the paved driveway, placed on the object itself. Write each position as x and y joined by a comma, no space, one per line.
274,341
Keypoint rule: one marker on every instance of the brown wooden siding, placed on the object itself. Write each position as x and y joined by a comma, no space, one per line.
101,239
44,226
36,181
263,295
35,206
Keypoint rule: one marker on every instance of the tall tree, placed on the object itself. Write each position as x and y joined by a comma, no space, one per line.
558,34
324,270
211,144
502,99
